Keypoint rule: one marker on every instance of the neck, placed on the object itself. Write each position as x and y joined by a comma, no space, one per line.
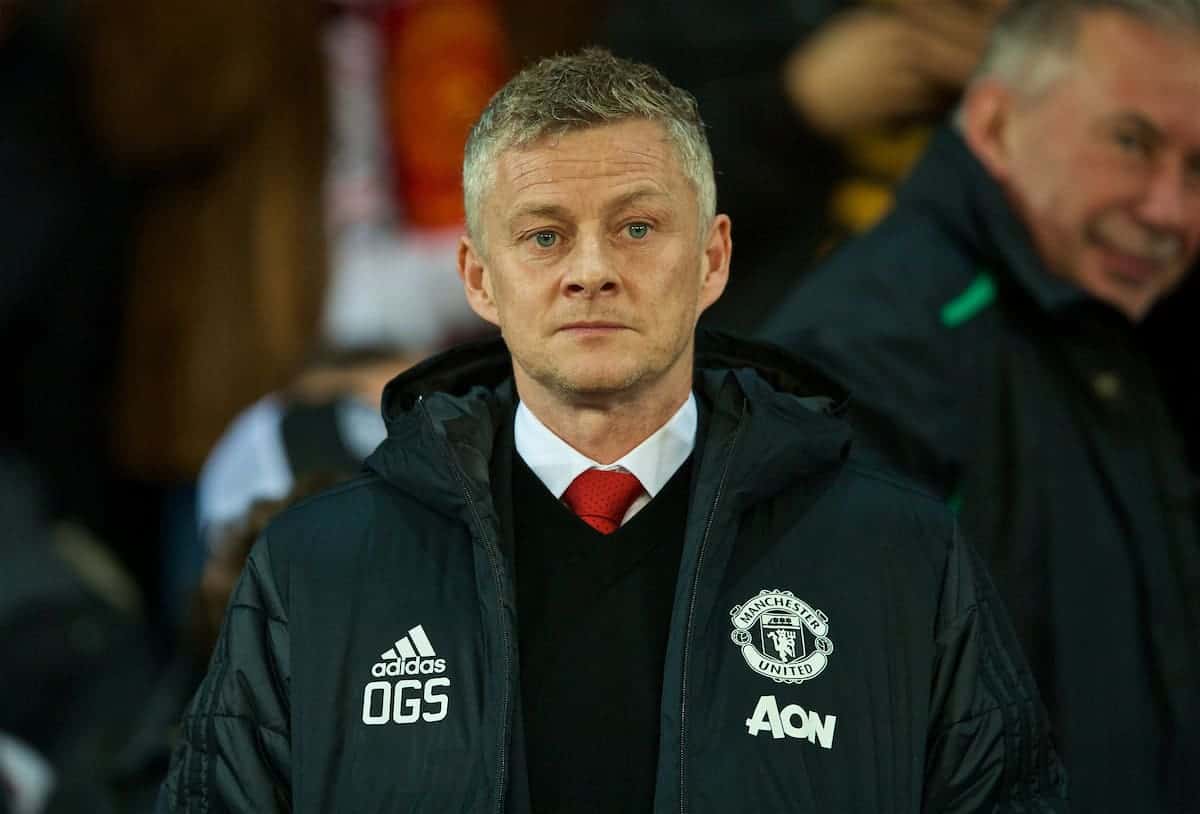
605,429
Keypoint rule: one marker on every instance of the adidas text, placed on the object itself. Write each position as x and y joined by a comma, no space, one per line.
793,721
408,668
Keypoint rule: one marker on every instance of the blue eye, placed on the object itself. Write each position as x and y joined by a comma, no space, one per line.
545,239
637,231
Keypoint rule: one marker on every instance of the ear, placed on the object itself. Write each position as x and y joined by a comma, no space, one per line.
718,251
477,281
987,123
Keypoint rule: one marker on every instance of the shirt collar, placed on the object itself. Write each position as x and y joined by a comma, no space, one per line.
556,463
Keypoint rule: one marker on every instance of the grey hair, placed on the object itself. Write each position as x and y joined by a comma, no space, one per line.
1032,40
566,93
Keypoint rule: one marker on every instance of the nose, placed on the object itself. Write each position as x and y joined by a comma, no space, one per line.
1164,205
591,271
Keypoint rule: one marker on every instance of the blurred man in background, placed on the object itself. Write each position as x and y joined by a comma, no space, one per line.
996,318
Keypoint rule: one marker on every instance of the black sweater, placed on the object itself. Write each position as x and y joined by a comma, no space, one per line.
593,616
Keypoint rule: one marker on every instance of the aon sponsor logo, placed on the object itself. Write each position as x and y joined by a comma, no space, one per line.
793,721
410,699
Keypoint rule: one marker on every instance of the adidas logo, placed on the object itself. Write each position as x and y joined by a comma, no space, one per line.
407,700
409,656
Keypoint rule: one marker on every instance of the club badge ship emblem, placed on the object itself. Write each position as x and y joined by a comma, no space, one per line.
782,637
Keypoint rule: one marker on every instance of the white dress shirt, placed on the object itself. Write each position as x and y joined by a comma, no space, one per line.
556,463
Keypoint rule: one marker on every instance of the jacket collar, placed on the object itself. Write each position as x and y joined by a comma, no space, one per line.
950,183
782,417
784,414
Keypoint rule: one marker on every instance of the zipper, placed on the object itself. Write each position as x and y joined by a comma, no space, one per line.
695,589
493,552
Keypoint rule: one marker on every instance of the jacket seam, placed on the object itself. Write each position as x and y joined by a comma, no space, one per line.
895,482
208,716
974,715
262,611
357,482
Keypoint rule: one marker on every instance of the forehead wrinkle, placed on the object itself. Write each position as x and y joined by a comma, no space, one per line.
523,161
642,174
567,169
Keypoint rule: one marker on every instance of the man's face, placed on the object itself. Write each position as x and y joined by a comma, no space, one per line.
596,265
1105,167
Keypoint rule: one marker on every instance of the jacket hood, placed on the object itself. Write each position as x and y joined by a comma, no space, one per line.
486,363
783,413
783,418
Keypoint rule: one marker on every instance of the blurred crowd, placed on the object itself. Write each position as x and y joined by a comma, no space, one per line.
224,226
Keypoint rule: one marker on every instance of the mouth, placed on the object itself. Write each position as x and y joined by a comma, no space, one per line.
1132,268
1135,260
592,328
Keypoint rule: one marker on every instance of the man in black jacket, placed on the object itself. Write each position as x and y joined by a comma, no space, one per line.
597,568
996,319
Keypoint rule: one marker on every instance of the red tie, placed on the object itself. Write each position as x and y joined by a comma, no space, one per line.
601,497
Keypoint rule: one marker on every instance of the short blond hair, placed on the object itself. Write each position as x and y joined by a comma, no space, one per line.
566,93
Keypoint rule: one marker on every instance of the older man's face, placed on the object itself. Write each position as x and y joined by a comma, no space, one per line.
1105,167
596,265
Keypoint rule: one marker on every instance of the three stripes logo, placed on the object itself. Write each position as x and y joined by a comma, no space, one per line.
407,700
409,656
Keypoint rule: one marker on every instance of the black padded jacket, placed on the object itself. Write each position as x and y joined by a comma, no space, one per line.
834,645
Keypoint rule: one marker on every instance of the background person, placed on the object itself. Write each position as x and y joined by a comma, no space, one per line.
996,320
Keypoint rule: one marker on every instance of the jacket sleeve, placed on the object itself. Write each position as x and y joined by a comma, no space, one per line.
989,747
235,742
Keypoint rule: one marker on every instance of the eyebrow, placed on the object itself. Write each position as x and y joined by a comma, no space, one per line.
558,212
551,211
1139,121
1150,129
635,196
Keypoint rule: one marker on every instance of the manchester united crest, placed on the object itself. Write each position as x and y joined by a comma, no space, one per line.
782,637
